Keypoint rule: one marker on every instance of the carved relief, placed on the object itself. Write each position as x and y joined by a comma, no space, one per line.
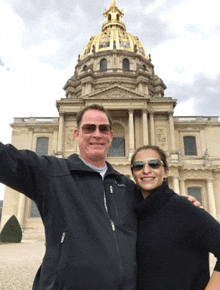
196,174
19,132
189,127
70,140
43,130
161,138
116,94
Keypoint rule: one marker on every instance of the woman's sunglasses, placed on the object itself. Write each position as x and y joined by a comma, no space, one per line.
153,163
90,128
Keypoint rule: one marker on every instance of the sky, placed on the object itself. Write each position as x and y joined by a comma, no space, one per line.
40,42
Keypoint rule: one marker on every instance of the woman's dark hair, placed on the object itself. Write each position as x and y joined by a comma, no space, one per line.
161,153
92,107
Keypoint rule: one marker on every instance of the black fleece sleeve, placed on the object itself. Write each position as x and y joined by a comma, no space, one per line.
211,235
21,169
207,231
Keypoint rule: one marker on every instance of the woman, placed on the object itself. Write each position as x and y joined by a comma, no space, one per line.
174,236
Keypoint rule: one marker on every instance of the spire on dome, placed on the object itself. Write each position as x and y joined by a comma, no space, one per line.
113,36
113,17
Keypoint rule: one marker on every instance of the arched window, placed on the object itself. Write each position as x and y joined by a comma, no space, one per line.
126,64
117,148
195,192
85,67
103,64
109,17
117,16
42,146
189,145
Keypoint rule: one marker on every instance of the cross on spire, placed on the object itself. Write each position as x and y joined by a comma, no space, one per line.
113,3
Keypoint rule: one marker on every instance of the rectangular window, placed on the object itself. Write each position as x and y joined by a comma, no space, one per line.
42,146
189,145
195,192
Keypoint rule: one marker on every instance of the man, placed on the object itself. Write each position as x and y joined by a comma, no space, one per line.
86,207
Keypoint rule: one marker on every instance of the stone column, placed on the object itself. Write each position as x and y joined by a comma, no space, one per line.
87,88
172,133
140,87
60,135
21,209
83,89
131,132
152,129
211,197
89,91
146,89
176,187
182,187
145,127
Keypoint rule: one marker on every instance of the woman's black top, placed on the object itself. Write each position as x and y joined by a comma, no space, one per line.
174,241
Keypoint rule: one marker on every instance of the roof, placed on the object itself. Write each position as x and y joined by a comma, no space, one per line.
113,36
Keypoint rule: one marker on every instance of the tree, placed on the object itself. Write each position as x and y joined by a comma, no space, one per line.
11,232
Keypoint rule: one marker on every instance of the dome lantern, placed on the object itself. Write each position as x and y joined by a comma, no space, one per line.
113,36
113,17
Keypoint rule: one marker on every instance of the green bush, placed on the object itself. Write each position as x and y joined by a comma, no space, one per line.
11,232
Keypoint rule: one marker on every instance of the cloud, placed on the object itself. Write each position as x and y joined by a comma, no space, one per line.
1,62
181,38
204,91
59,30
185,108
147,23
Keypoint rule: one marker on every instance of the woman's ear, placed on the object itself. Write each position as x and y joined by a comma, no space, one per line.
166,173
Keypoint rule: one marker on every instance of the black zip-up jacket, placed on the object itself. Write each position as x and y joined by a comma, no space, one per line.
87,247
174,241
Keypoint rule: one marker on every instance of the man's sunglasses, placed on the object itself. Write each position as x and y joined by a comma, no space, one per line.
153,163
90,128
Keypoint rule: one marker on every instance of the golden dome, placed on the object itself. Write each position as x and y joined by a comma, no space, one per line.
113,36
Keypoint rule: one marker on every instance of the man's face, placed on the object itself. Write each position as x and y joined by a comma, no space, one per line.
93,147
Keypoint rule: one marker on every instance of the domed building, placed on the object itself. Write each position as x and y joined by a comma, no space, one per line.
114,70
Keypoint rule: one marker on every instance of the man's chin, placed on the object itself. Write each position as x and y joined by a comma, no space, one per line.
97,155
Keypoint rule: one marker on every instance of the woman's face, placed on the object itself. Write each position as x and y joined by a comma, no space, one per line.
147,178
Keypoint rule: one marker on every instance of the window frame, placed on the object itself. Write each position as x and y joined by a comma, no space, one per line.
194,195
111,149
104,63
194,150
40,138
125,66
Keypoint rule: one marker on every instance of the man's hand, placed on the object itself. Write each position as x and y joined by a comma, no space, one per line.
194,201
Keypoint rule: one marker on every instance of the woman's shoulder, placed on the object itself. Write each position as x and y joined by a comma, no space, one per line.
189,211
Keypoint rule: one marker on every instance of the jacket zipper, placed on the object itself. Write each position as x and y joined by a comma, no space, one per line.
59,257
113,227
106,208
111,190
63,238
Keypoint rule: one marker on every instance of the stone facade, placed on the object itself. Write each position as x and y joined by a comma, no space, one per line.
122,79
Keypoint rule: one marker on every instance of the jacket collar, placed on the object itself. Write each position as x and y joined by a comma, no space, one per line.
76,164
155,201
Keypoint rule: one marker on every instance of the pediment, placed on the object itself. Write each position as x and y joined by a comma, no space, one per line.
116,92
